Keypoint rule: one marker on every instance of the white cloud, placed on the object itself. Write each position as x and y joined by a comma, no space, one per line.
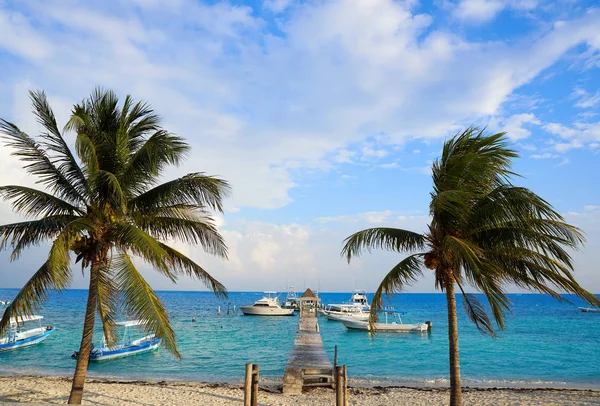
485,10
371,217
390,165
514,125
586,100
255,105
545,155
580,135
277,6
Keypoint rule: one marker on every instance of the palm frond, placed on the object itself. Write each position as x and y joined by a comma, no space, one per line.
147,163
183,264
403,274
128,237
25,234
34,203
391,239
108,295
185,226
142,302
477,314
86,150
54,141
39,164
34,293
193,189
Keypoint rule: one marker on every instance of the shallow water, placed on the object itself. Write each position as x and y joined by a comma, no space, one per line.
545,343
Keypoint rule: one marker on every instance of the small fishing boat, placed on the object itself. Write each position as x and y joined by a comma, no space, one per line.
18,336
394,325
126,347
590,309
4,302
291,299
267,306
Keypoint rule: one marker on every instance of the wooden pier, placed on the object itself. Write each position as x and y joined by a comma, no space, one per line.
308,364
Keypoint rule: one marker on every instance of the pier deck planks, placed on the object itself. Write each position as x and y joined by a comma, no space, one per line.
308,357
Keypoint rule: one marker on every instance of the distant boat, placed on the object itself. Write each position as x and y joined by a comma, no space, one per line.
17,336
4,302
395,325
267,306
589,309
126,347
291,299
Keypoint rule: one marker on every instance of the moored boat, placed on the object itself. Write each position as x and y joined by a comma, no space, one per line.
126,347
590,309
394,325
18,336
339,312
267,306
291,299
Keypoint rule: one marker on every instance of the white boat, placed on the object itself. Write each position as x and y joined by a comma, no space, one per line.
345,311
358,302
590,309
17,336
267,306
291,299
126,347
395,325
4,302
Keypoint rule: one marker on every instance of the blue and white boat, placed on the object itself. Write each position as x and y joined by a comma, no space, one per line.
126,347
19,336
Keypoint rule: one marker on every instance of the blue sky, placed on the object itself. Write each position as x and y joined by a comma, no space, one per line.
324,115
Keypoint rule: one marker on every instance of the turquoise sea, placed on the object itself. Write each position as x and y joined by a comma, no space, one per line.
545,343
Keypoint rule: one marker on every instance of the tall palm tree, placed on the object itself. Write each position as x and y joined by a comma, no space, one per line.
106,208
484,232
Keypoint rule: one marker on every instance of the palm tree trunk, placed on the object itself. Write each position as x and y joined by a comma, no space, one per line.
86,339
455,386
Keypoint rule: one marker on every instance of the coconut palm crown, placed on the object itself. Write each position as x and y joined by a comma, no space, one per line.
485,233
103,206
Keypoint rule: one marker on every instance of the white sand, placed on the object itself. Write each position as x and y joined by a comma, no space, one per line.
22,389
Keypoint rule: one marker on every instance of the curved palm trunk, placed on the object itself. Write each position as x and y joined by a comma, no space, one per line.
455,386
86,339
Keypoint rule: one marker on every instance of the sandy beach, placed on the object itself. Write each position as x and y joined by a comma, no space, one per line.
29,389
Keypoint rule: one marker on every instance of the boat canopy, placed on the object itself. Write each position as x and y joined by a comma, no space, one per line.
23,319
130,323
391,311
270,292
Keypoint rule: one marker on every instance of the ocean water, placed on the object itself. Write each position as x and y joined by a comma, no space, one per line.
545,343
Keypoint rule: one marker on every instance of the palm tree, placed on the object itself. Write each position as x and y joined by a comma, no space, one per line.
106,208
484,232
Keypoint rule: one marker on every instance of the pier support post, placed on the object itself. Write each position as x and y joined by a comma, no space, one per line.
254,397
345,386
339,386
335,356
248,385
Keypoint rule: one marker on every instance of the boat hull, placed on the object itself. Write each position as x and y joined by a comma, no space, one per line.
135,348
266,311
382,327
27,341
339,316
589,309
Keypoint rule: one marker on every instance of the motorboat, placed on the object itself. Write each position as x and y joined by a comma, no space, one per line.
126,347
19,336
393,323
291,299
267,306
4,302
590,309
358,302
339,312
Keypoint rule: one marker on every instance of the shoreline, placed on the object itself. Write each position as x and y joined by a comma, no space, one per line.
356,383
55,389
